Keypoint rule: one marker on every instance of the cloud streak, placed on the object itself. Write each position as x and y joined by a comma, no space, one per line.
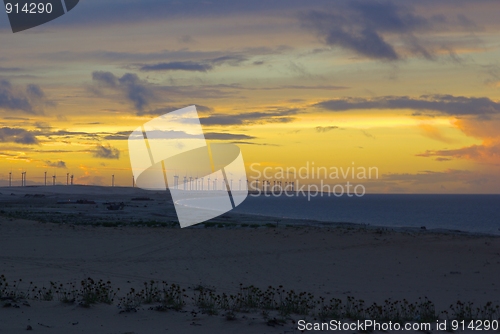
226,136
444,104
482,153
323,129
438,177
279,116
198,66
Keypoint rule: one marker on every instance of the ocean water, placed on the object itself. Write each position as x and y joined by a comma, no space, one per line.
470,213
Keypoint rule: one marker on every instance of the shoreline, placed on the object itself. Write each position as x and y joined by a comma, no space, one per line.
167,217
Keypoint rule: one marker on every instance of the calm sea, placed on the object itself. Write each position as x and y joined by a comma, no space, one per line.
471,213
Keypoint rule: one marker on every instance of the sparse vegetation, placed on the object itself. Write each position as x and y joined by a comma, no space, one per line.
276,305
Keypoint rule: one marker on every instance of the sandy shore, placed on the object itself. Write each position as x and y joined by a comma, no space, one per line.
332,262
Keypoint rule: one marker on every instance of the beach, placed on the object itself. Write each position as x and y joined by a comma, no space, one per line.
373,264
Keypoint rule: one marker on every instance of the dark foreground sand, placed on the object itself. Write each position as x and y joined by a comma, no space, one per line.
332,262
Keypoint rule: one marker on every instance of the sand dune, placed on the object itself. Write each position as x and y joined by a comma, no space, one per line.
332,262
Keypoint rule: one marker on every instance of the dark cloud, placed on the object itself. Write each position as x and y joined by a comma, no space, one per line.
319,87
322,129
134,89
106,78
186,39
165,110
42,125
56,164
280,116
173,134
445,104
142,93
178,66
30,100
11,69
16,118
68,134
153,134
226,136
17,135
364,27
138,59
250,143
106,152
198,66
483,153
122,135
34,91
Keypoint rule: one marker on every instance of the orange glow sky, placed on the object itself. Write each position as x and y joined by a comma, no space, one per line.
412,88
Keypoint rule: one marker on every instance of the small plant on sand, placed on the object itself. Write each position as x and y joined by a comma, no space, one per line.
467,311
207,300
92,292
426,310
296,303
248,298
65,293
12,291
172,297
150,293
43,293
331,310
131,302
354,308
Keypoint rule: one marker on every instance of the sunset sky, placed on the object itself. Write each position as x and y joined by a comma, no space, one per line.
410,87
